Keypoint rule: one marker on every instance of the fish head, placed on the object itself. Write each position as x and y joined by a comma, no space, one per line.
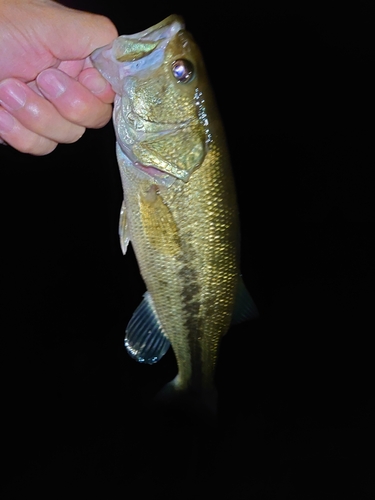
160,114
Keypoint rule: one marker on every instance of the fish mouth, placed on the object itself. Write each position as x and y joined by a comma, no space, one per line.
137,50
166,28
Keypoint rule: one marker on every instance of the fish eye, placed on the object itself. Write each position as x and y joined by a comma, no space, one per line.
182,70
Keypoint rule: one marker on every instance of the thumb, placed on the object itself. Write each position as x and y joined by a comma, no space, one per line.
74,34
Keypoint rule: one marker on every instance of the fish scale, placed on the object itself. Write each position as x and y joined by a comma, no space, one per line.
197,283
180,209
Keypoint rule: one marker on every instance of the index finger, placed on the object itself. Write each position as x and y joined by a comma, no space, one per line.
74,101
97,84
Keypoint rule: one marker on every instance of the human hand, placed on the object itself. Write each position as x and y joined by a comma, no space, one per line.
49,91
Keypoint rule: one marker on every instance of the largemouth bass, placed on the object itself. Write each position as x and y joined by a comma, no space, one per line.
180,209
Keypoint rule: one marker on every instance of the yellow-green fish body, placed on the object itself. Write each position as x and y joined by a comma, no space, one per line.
180,210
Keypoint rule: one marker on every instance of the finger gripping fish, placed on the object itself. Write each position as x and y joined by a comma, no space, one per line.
179,210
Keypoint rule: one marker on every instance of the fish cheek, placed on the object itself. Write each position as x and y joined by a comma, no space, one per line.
158,223
178,155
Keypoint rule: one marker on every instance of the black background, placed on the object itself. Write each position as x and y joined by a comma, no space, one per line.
294,86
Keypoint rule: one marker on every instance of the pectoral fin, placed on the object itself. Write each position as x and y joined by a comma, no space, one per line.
244,307
145,340
123,232
159,225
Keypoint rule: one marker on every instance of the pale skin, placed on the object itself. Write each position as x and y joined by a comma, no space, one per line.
49,91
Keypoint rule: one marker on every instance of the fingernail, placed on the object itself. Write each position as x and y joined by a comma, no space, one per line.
94,83
12,95
6,122
50,84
